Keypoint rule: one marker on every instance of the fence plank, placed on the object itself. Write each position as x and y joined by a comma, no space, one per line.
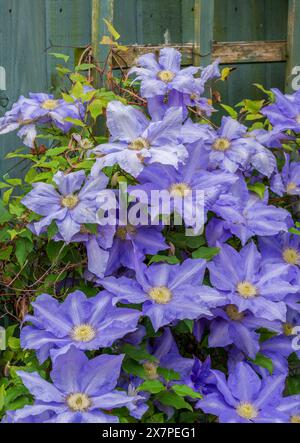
68,26
227,52
22,54
203,31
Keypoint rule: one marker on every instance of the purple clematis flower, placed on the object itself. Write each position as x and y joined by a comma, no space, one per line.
194,97
230,326
190,96
246,215
181,188
282,249
244,397
167,355
130,240
86,323
81,390
136,141
44,108
288,181
291,407
160,77
71,205
168,292
285,112
231,148
249,284
38,109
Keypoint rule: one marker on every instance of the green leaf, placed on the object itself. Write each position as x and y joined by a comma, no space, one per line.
156,418
293,385
195,242
133,368
184,390
60,56
56,250
5,253
84,67
174,400
2,397
168,374
232,112
152,386
137,353
264,362
6,195
5,216
56,151
258,188
206,253
171,259
112,30
52,230
13,343
294,231
23,249
75,121
96,108
266,91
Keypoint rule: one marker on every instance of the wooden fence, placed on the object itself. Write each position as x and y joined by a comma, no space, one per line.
261,38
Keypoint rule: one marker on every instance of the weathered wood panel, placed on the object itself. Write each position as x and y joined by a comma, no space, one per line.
22,54
226,52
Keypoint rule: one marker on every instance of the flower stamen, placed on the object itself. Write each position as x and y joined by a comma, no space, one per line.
139,144
247,289
83,333
160,295
291,256
179,190
246,410
233,313
70,201
78,402
221,144
166,76
151,370
50,104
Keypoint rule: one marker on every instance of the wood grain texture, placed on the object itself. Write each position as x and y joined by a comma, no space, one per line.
226,52
22,54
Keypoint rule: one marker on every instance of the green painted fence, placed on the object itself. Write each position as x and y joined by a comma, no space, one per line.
30,29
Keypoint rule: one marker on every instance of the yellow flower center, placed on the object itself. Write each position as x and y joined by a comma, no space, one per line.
295,419
70,201
247,289
291,187
291,256
233,313
221,144
194,96
166,76
151,370
246,410
50,104
179,190
160,295
83,333
288,329
122,231
139,144
78,402
298,118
